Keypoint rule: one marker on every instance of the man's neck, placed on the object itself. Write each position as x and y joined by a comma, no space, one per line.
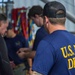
56,27
13,35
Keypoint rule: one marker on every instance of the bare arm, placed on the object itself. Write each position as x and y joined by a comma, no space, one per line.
36,73
30,66
31,54
26,53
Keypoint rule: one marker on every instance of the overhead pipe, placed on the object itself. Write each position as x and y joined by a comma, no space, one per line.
69,15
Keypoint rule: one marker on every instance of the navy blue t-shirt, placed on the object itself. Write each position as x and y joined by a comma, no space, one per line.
41,33
13,45
56,54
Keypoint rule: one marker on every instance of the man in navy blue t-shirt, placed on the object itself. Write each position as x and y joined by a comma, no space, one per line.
55,54
15,42
36,14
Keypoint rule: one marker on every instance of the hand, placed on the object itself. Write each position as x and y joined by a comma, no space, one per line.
24,50
30,71
21,54
12,64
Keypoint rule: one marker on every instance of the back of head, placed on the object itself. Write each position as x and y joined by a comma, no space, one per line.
35,10
10,26
55,11
10,32
3,24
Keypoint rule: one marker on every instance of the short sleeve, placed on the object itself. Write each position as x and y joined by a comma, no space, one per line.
43,60
36,41
40,34
25,43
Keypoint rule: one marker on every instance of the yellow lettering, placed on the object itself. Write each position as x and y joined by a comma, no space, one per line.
70,50
70,63
64,52
74,46
74,62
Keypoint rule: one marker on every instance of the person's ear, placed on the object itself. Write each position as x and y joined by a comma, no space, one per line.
0,24
46,20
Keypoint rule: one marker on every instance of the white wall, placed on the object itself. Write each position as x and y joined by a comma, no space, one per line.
27,3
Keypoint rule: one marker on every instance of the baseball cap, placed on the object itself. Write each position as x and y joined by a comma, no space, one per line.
51,10
10,26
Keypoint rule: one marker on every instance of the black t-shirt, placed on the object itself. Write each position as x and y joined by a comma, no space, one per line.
4,61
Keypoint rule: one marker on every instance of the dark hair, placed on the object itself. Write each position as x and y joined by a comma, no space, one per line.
35,10
10,26
3,17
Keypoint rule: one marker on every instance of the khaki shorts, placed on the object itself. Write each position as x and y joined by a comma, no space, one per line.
19,70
